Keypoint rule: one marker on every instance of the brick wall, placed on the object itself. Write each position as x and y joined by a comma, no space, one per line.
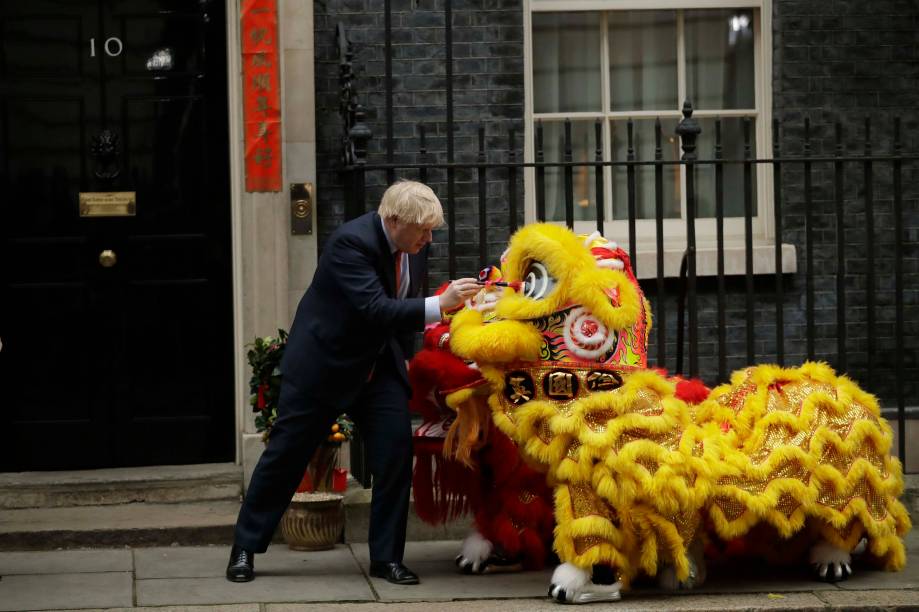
488,92
847,61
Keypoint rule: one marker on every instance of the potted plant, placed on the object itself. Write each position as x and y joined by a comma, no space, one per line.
314,520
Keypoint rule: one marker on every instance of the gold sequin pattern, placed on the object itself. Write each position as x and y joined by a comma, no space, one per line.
584,543
843,462
526,497
787,504
647,403
874,500
842,424
598,419
572,452
508,409
792,469
745,484
686,524
731,508
668,439
789,469
736,397
543,431
790,397
585,503
776,437
648,464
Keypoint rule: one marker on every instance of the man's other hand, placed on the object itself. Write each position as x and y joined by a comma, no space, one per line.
458,292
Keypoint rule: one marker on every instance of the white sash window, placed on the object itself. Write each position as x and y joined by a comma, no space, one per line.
615,60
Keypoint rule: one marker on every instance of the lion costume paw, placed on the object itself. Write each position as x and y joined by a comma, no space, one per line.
474,554
571,584
830,564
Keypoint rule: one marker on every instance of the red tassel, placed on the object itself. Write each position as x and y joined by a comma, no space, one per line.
423,489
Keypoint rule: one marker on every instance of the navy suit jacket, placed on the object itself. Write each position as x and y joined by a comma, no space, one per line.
349,317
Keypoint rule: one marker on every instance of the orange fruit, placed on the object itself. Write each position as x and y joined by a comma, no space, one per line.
335,428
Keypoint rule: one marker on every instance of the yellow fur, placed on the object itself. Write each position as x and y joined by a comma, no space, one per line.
637,471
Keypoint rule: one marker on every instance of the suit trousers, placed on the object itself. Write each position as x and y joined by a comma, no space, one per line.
381,414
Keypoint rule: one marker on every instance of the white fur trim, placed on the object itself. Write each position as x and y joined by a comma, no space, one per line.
569,577
571,584
595,235
598,592
611,263
476,549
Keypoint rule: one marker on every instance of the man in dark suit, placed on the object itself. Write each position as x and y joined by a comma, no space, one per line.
347,352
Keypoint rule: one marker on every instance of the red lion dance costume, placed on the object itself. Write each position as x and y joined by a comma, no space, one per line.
464,464
646,471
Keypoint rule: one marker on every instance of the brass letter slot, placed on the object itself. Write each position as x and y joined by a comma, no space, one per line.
107,203
301,208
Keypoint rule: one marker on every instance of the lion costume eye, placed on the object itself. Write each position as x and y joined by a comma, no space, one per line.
537,283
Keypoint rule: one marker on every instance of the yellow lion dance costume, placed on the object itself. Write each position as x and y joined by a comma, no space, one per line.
641,478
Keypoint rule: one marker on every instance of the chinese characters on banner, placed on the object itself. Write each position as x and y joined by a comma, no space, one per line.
261,95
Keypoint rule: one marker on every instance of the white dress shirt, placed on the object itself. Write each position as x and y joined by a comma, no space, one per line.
432,303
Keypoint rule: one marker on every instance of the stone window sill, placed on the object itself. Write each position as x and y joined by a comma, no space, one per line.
707,259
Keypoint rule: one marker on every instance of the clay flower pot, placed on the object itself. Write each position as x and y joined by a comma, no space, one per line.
313,521
315,518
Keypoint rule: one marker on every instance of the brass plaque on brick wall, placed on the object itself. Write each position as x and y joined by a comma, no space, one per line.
107,203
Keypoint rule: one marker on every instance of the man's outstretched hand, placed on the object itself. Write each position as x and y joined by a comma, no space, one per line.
458,292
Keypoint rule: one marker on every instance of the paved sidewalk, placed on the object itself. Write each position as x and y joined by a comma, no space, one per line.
191,578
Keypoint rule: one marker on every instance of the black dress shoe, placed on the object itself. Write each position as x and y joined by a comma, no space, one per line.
393,572
241,567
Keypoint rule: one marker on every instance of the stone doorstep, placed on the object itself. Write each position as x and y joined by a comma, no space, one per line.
196,523
207,522
116,525
168,484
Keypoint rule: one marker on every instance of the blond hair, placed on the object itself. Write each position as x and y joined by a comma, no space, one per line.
411,202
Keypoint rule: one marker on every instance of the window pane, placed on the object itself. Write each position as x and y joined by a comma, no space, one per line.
732,145
583,148
642,60
643,137
719,58
566,62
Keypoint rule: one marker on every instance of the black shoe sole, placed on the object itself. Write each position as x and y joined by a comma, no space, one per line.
235,578
398,582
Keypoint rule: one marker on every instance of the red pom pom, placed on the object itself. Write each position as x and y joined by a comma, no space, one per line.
692,391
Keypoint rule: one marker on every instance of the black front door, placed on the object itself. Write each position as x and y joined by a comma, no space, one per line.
116,330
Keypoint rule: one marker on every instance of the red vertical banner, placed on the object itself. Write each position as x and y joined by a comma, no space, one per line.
261,94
